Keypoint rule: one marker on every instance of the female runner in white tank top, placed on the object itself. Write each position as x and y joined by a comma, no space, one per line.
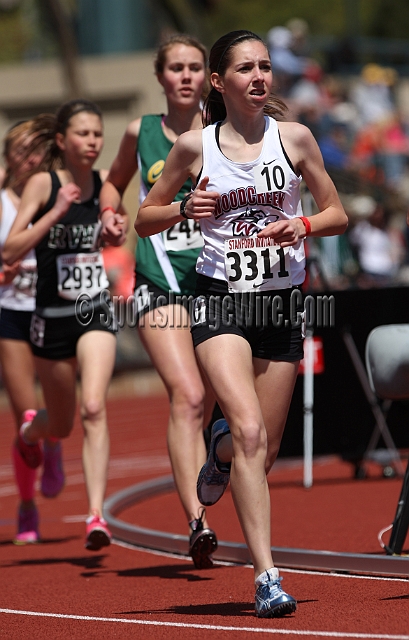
25,150
247,201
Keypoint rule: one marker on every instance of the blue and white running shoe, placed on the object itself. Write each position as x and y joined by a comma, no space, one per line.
272,601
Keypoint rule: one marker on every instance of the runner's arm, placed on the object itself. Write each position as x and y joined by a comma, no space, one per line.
23,237
158,211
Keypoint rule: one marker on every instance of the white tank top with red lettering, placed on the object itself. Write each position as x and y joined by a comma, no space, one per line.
252,195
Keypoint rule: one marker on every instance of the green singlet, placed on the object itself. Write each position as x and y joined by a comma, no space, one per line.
167,259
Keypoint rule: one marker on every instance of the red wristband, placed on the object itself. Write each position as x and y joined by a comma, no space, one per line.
109,208
307,225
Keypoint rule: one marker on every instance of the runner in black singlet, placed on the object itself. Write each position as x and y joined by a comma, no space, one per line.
70,330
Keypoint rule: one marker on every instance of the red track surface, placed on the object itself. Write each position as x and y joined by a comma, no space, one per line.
59,590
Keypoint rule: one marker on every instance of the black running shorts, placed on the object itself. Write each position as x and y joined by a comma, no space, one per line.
56,338
270,321
15,324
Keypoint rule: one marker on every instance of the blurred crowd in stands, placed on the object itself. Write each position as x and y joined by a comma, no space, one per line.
361,124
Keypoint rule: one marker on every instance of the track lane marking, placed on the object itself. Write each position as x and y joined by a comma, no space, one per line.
209,627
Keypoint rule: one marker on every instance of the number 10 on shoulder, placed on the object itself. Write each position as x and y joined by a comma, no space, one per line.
273,176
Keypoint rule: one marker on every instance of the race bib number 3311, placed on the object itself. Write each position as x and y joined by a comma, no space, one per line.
256,264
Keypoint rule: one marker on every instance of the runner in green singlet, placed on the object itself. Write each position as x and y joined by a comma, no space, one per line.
166,276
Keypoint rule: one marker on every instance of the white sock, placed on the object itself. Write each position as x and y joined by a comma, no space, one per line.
269,574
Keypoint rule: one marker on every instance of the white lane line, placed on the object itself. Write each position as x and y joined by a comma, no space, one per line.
73,519
345,575
210,627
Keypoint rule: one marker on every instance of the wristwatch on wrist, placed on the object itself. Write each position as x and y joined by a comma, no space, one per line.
183,203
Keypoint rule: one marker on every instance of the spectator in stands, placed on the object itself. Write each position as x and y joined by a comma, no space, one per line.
380,247
334,147
300,32
372,94
287,67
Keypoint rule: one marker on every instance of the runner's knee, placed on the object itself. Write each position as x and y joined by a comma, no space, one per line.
188,398
249,439
92,410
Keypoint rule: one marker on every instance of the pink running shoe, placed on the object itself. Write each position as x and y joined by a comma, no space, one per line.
52,480
97,533
27,526
31,453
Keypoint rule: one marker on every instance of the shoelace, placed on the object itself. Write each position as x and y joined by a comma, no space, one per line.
197,523
272,582
274,588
